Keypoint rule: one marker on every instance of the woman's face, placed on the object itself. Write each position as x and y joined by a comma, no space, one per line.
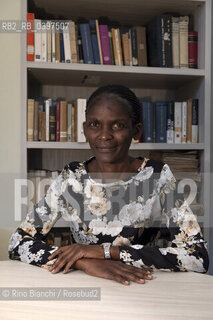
109,130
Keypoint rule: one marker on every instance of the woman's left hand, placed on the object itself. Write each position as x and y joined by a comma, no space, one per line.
68,255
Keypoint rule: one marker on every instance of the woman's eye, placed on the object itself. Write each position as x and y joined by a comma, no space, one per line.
94,124
118,125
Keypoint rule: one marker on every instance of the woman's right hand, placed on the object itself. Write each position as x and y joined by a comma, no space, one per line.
113,270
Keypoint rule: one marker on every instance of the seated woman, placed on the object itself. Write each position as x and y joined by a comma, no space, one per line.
118,206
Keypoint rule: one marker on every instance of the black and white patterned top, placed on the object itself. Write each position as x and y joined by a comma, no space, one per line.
132,214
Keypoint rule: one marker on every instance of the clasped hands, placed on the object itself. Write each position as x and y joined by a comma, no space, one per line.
90,259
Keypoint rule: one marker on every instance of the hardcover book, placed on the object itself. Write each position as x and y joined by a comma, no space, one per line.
86,43
105,46
160,121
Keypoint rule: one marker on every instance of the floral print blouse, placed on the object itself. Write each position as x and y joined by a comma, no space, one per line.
134,214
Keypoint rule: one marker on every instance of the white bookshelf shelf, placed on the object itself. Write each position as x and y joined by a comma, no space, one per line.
94,75
134,146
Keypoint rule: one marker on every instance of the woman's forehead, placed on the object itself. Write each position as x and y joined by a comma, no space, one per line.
108,105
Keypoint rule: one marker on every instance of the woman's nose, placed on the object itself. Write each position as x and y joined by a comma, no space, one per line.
105,134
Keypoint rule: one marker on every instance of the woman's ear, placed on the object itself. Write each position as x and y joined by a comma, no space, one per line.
138,130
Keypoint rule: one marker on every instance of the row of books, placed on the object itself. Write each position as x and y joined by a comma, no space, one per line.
50,120
164,42
170,122
62,121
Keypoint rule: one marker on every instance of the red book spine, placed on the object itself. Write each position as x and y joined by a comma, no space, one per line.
30,37
193,54
58,121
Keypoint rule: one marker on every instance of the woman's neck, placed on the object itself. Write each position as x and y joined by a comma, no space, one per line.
108,172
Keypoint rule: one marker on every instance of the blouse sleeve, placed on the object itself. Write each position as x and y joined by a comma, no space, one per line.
187,250
27,243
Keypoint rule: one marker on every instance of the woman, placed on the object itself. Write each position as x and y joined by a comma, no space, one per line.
118,206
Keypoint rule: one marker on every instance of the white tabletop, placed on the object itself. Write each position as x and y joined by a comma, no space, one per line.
169,295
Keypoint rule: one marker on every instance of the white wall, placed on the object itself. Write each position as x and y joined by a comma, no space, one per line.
10,114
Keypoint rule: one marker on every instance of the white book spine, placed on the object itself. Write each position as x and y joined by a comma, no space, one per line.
184,121
184,29
194,133
81,107
178,121
69,122
44,43
47,111
53,42
175,43
37,28
49,40
66,38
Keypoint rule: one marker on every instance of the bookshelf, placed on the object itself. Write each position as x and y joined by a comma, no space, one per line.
80,80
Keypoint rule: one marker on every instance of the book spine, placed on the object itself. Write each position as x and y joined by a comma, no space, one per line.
114,46
49,42
94,39
160,125
69,122
66,40
35,122
167,39
147,121
44,43
74,121
63,121
30,116
81,107
39,123
99,41
125,46
87,43
73,43
57,46
37,27
178,121
105,46
154,42
118,46
175,43
134,46
141,46
47,111
193,49
62,47
184,122
58,121
170,122
111,47
79,47
195,120
53,53
189,121
43,123
30,37
183,27
52,125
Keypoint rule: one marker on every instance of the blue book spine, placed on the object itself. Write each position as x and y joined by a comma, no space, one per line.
147,121
62,47
94,40
161,121
87,43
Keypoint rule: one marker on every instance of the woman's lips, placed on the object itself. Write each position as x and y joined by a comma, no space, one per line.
106,149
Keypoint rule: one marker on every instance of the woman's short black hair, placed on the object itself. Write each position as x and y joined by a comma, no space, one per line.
122,95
